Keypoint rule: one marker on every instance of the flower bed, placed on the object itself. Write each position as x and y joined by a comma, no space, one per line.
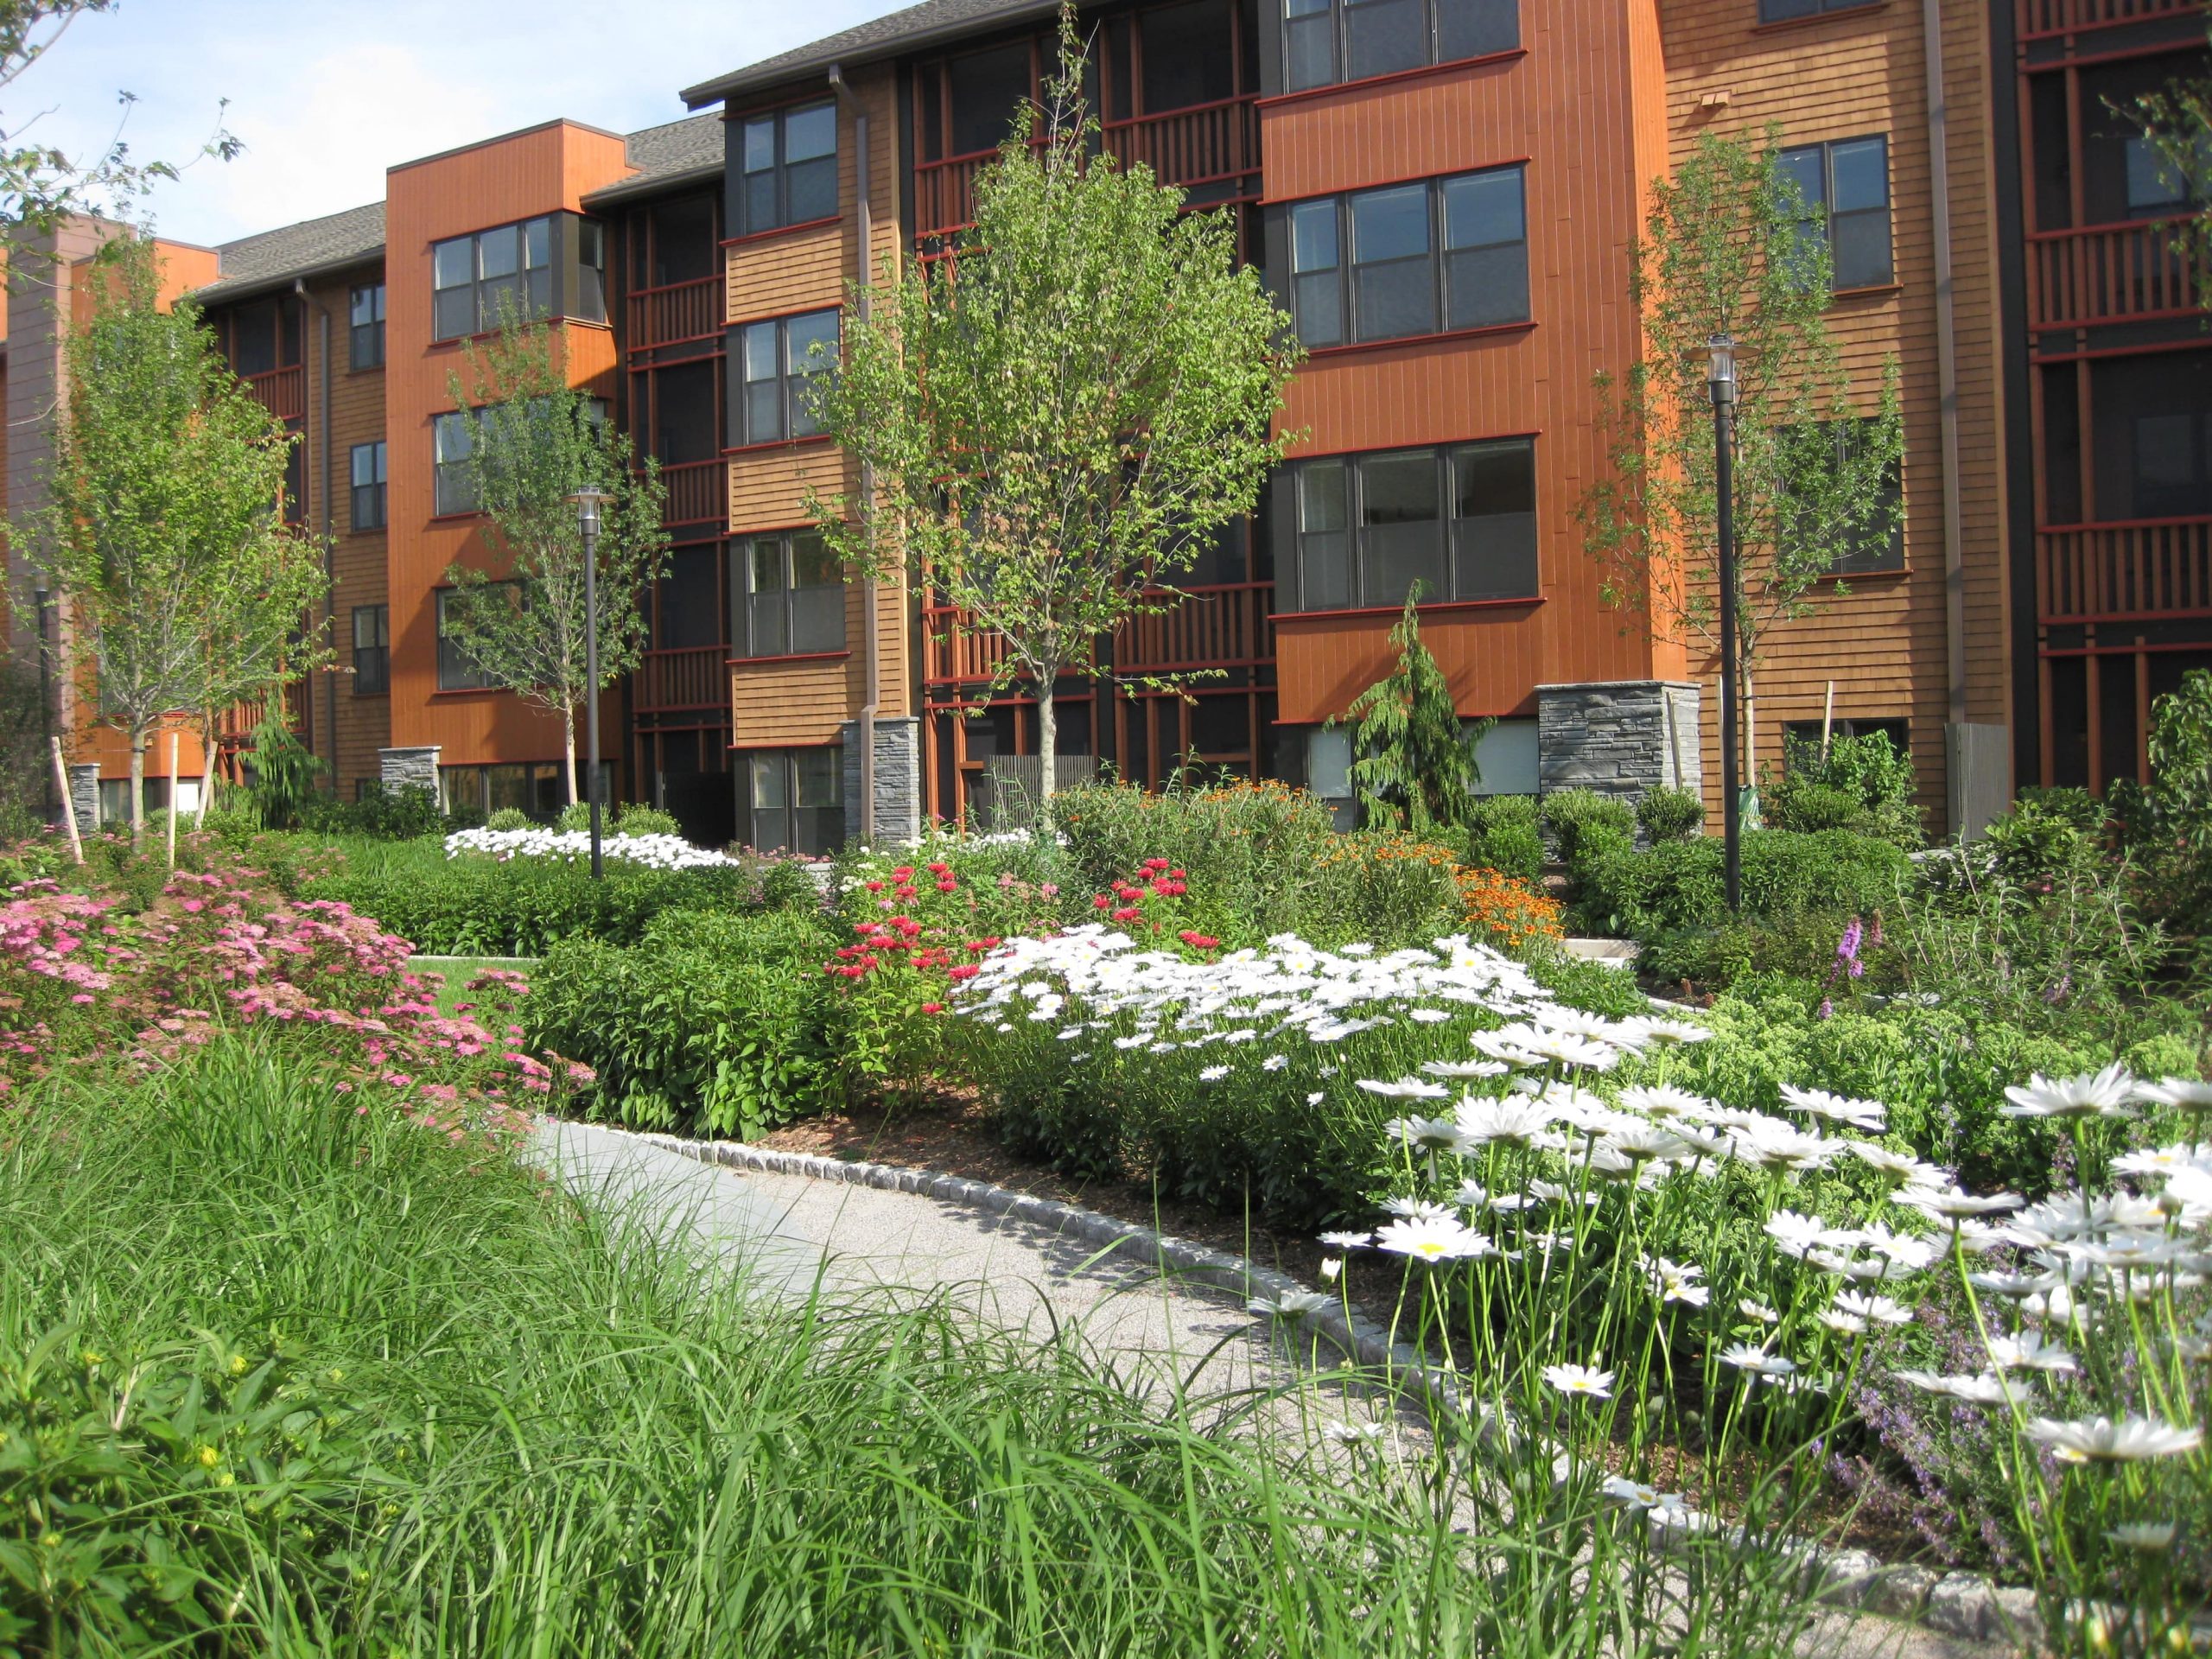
654,852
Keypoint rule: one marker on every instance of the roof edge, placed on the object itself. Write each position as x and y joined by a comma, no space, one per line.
653,183
720,89
241,287
503,137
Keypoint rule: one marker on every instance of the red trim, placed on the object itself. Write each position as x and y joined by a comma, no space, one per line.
452,518
716,350
779,443
837,218
1306,94
1830,578
2121,56
1782,25
2108,22
1280,617
479,691
546,321
2088,524
2194,344
2122,618
671,287
773,746
2128,650
1395,448
772,530
2106,227
794,656
1421,340
1408,178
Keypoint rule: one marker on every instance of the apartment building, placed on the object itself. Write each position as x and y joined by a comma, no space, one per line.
1443,194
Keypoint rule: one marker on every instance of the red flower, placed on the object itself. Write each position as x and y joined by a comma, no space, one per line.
1198,941
1103,901
1127,913
947,885
966,970
875,886
1154,864
940,869
932,1007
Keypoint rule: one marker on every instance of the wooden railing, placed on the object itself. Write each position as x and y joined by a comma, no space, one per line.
2109,273
2063,16
283,392
660,316
2141,568
241,719
698,493
1225,625
670,680
1206,143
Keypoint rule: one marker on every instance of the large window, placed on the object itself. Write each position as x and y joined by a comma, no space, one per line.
1325,41
787,172
1844,186
372,649
457,670
792,800
366,327
539,788
1421,258
1871,549
368,474
473,277
1356,532
788,596
776,361
451,440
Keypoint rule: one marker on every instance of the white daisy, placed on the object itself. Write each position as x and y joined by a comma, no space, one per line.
2101,1094
1290,1305
2189,1094
1635,1496
2144,1537
2100,1439
1405,1089
1987,1390
1275,1063
1879,1309
1758,1312
1346,1240
1439,1241
1746,1356
1868,1115
2029,1352
1583,1380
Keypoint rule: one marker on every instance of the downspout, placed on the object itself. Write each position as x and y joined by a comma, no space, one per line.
329,545
869,667
1947,381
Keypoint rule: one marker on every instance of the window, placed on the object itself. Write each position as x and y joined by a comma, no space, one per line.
787,171
1780,12
368,486
1361,530
586,296
365,314
1845,189
1426,258
792,800
539,788
473,277
1866,548
264,335
457,670
788,596
372,649
453,438
1807,731
1506,756
776,361
1325,41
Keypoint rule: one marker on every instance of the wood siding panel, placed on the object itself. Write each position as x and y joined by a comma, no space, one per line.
775,705
797,270
768,487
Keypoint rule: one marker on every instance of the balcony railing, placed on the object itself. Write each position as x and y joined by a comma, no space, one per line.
698,493
2139,569
1206,143
680,311
2109,273
283,392
2064,16
241,719
667,681
1225,625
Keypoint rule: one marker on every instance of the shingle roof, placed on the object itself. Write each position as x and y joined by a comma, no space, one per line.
878,37
662,155
315,244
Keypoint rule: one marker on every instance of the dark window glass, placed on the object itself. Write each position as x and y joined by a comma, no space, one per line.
688,608
787,168
451,440
1485,250
1494,520
810,349
1188,55
457,670
371,650
366,324
791,596
681,414
1397,267
1329,41
683,242
984,88
760,417
1462,523
930,95
1845,190
368,486
1780,12
792,800
295,479
776,361
473,279
1383,37
1877,543
1394,278
1475,29
1309,38
253,338
589,301
1316,273
1401,528
1324,510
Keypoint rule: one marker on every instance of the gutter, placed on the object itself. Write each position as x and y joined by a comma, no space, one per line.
1947,376
870,668
329,543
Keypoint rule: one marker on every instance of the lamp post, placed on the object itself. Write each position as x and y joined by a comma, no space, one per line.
45,695
588,502
1722,383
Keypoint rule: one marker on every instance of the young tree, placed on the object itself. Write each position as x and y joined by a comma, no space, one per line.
2176,123
1731,248
532,441
1060,417
1415,768
254,612
161,513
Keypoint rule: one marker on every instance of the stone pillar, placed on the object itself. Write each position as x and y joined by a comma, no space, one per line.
1618,737
399,769
85,796
897,779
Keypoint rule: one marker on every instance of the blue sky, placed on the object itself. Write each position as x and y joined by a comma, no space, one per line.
327,94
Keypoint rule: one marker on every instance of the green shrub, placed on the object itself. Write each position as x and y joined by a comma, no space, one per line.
1665,813
635,818
1678,885
576,818
2169,823
1579,820
1386,888
381,814
1860,783
1503,835
508,818
712,1023
282,772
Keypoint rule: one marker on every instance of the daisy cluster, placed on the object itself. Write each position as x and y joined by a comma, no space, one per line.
570,847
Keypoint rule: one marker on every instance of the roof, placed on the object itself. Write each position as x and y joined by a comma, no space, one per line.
879,37
680,152
312,246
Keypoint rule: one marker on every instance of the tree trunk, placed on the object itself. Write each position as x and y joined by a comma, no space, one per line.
207,766
1751,718
568,749
1047,747
137,788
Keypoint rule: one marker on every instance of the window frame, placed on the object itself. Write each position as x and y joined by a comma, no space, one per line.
789,602
1769,12
1343,324
787,378
779,214
750,767
373,661
453,674
1891,561
1825,214
563,241
371,493
444,468
1332,21
365,340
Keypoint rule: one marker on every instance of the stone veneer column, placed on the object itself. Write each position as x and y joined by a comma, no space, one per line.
897,779
1618,737
85,796
399,769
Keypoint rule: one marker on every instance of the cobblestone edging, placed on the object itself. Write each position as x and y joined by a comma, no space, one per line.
1964,1604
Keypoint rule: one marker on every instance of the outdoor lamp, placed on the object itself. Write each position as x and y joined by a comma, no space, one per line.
587,501
1722,377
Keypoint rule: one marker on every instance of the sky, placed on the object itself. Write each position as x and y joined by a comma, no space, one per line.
325,94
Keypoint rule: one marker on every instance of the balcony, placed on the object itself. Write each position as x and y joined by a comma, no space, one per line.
241,719
698,493
1206,143
283,392
679,312
2132,571
1223,626
2041,17
669,682
2109,273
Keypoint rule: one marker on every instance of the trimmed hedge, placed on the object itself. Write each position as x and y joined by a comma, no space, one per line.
1678,886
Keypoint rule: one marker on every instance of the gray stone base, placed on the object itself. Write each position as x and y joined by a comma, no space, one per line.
897,779
1618,737
85,796
398,769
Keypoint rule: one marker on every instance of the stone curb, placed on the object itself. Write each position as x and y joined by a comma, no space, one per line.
1964,1604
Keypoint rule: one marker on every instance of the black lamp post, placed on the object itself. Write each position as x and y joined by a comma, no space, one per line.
587,501
1722,383
45,699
